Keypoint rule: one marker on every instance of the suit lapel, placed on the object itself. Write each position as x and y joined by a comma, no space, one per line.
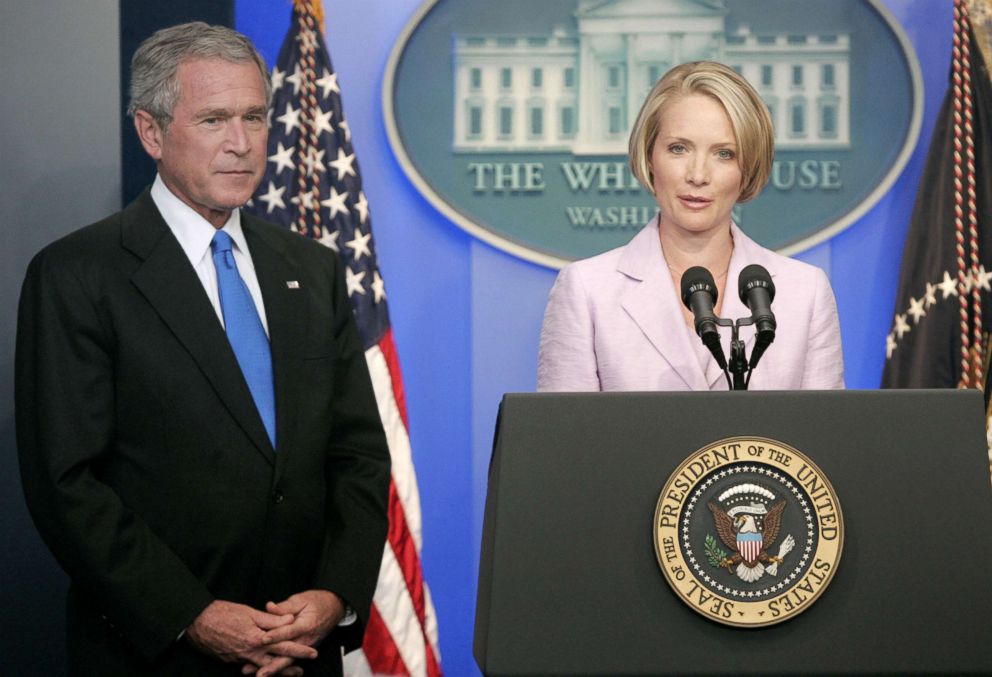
171,286
654,306
286,313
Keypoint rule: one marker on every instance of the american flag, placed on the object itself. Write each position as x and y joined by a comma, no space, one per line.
312,185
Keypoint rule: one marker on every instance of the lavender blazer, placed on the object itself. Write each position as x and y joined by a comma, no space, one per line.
614,322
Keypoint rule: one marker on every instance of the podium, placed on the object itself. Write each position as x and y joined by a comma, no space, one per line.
569,582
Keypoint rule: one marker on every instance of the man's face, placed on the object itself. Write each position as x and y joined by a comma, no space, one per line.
212,153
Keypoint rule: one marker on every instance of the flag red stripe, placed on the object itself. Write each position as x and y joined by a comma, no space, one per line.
433,668
399,537
405,551
388,347
383,656
401,540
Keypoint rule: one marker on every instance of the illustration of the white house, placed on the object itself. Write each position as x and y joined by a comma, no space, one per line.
581,92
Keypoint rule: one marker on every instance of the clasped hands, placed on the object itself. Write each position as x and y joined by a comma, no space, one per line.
267,642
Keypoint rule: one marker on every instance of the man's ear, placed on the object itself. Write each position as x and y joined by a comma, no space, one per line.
149,133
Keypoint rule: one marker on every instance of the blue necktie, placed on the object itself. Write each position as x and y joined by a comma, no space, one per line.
245,331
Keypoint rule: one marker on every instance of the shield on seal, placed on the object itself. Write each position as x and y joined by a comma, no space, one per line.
749,546
750,529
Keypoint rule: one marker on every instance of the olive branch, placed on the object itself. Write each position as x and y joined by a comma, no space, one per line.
714,553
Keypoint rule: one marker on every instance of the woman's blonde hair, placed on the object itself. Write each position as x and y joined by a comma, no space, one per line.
748,115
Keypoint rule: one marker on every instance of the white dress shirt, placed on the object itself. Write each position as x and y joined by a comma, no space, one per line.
195,234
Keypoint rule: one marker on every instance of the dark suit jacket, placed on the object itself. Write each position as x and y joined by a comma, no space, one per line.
145,464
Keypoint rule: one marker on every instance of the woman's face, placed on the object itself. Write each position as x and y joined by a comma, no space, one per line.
694,163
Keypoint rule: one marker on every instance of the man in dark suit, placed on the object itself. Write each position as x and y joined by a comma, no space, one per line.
199,442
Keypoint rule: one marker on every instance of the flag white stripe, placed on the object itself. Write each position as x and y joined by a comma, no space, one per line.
431,623
392,599
399,442
355,665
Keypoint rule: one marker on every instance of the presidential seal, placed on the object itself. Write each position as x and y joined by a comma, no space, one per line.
748,531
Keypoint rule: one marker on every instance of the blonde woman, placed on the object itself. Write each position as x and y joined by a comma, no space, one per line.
702,143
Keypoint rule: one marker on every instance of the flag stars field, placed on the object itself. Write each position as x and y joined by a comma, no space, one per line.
378,287
296,78
360,245
328,83
277,79
344,164
314,161
949,286
362,207
354,281
303,200
901,325
336,202
323,122
273,198
330,239
982,279
916,310
291,119
283,158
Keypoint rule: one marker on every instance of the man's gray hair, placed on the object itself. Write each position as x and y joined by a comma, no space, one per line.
155,65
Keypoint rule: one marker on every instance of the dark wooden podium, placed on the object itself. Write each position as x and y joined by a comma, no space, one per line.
569,583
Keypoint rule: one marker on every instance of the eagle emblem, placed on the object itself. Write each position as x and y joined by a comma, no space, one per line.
749,527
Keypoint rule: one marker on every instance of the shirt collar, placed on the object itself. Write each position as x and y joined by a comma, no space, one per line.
192,230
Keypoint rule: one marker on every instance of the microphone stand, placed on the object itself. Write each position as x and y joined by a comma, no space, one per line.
737,365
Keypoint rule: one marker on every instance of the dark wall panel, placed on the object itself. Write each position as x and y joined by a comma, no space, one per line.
60,169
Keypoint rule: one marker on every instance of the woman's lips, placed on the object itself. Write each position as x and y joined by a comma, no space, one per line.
694,201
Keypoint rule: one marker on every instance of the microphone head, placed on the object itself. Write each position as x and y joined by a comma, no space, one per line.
753,276
697,279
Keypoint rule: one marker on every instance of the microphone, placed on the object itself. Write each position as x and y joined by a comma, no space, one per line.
699,294
757,291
